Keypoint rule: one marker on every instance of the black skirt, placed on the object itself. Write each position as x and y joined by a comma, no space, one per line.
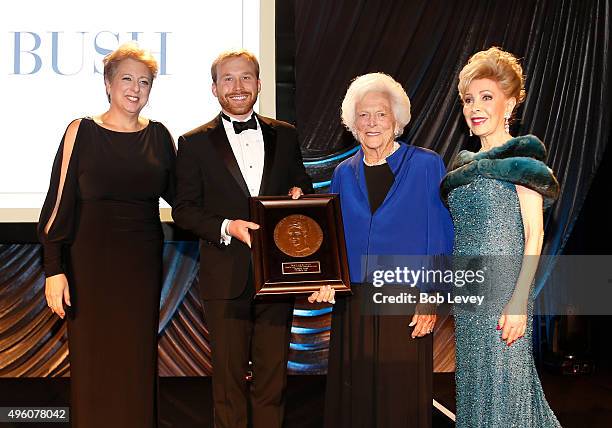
378,376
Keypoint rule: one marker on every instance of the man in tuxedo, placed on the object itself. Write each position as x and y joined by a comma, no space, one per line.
219,165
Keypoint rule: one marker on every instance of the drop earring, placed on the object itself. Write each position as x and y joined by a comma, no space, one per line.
471,132
507,123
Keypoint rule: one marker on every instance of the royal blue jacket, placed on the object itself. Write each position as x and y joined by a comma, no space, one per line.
412,220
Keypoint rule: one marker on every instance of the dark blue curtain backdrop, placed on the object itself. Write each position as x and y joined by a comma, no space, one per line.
565,49
564,46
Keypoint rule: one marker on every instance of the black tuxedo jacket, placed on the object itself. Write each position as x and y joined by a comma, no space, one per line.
210,188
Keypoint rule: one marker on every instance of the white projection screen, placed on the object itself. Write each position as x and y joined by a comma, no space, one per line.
50,73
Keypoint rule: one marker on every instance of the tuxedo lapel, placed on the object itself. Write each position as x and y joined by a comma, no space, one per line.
222,145
269,137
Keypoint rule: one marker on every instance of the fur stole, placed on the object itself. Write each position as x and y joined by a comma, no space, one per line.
519,161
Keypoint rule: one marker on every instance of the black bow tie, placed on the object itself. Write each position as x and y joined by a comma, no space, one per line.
241,126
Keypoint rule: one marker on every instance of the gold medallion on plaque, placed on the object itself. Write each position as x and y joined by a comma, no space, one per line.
298,235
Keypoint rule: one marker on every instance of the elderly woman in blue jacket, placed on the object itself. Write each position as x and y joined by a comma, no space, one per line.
379,371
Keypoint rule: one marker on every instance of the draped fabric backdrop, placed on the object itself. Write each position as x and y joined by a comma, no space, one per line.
564,46
565,50
33,341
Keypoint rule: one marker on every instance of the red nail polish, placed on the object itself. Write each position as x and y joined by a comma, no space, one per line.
498,327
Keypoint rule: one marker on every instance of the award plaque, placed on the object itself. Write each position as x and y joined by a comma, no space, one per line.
299,245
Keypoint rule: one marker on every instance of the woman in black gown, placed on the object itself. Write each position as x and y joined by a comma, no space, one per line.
102,240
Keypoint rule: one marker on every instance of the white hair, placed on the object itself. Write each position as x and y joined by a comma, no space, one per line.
376,82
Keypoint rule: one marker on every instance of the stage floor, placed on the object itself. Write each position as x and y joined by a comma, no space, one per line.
578,401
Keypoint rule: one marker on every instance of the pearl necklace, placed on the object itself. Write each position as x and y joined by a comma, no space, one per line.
384,159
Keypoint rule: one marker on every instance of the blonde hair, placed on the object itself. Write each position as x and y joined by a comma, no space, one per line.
498,65
233,54
125,51
128,50
376,82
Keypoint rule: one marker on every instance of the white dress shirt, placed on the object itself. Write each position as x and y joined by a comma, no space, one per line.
248,148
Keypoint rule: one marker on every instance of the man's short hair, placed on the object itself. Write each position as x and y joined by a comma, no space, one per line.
233,54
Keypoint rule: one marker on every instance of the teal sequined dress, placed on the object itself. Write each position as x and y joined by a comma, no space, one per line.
497,385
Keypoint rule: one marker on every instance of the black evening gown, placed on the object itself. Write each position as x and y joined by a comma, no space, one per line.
377,375
107,238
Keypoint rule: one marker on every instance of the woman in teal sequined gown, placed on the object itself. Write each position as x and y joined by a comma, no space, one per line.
496,197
